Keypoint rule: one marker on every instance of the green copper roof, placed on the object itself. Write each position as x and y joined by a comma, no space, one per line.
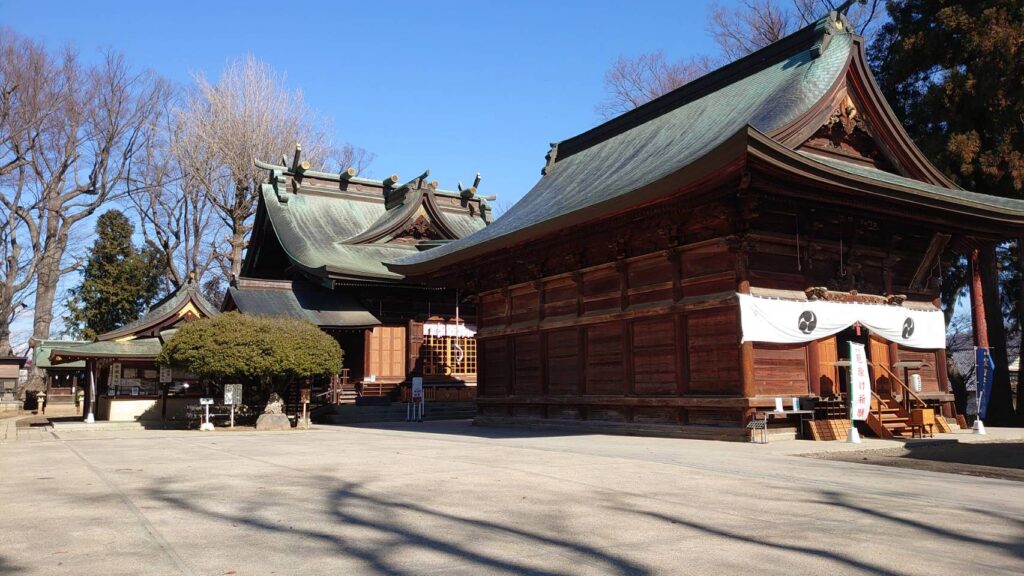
325,308
160,311
41,355
140,348
962,197
766,91
345,234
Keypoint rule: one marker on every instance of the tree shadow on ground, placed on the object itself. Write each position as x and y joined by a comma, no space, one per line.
6,567
848,561
998,454
466,428
934,529
380,519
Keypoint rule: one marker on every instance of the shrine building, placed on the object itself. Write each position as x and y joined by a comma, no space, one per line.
682,266
118,371
317,250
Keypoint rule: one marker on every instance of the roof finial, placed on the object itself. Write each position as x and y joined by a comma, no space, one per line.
467,193
550,158
298,165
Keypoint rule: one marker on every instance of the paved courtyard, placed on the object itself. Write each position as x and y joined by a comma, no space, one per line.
450,498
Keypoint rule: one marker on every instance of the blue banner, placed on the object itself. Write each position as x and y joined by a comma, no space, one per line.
984,368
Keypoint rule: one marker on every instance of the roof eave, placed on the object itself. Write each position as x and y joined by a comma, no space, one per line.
729,151
765,149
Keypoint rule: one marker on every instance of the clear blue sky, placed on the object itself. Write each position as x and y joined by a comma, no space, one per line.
456,87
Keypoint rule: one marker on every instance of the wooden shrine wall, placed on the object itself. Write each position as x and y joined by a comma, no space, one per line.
640,339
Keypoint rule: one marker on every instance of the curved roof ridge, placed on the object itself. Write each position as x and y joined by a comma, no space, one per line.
163,309
618,164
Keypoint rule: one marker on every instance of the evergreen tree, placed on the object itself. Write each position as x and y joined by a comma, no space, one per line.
119,281
954,72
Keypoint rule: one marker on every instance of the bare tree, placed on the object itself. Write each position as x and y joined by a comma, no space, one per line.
17,265
171,204
23,109
247,114
738,31
631,82
82,147
754,24
750,26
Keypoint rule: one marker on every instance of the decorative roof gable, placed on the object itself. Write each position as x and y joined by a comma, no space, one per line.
341,227
183,305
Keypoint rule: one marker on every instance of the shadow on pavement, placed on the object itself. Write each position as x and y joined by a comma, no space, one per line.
998,454
386,534
6,567
466,428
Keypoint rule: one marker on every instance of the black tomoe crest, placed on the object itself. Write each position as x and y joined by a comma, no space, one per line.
807,322
908,328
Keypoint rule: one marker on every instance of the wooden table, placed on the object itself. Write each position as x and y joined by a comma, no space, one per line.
760,421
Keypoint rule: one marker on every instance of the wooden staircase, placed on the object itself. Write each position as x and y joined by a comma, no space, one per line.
890,416
888,419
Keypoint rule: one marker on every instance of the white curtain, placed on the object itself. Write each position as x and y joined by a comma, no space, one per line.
792,321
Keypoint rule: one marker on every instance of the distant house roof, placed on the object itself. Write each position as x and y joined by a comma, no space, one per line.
961,348
764,107
325,308
342,227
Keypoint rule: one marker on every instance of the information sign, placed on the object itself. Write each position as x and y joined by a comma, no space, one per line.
232,394
205,401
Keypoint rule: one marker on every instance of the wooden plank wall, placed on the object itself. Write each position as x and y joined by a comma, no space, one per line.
781,369
658,325
929,373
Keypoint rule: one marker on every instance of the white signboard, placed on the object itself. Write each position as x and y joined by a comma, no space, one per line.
439,329
166,375
205,401
860,383
232,394
417,388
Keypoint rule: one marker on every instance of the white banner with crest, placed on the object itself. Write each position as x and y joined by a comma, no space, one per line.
793,321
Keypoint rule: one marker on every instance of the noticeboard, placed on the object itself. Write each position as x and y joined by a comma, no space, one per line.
304,395
232,394
417,388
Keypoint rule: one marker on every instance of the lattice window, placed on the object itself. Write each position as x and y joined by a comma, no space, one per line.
449,356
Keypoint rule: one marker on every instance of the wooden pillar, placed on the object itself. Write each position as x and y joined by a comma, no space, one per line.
978,302
747,387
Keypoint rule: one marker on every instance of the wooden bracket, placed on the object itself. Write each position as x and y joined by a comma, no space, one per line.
929,260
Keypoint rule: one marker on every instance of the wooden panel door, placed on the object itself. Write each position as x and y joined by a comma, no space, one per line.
828,372
386,352
878,353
